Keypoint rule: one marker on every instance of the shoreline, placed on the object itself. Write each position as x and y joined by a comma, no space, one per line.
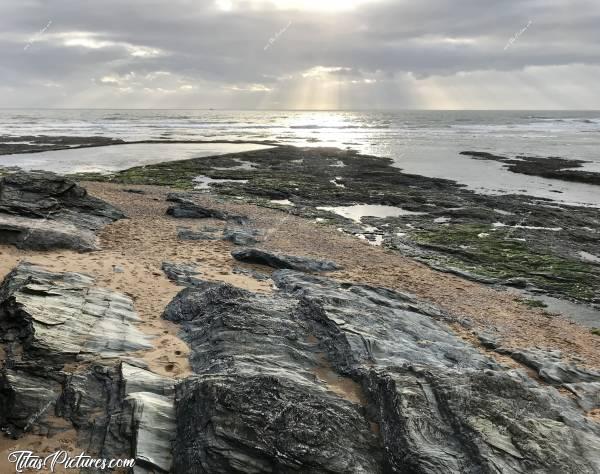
441,223
148,237
485,326
104,142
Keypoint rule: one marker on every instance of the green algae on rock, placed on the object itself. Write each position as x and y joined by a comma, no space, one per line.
517,240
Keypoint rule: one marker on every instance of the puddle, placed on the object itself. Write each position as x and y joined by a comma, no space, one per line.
204,182
588,257
106,159
282,202
357,212
582,314
336,182
504,213
372,239
338,164
528,227
243,165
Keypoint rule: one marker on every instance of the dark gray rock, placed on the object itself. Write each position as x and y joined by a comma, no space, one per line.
551,367
336,377
241,236
258,405
182,274
259,423
587,394
180,197
189,210
274,260
318,377
63,338
64,314
43,211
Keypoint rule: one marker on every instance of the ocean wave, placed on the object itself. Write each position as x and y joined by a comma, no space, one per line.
339,127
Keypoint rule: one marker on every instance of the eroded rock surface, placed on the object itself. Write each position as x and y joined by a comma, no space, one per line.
67,365
245,237
279,261
42,211
331,377
182,274
185,209
318,377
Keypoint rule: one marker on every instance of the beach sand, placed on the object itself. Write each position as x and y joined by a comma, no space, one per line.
137,246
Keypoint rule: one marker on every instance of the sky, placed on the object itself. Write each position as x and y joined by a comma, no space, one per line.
292,54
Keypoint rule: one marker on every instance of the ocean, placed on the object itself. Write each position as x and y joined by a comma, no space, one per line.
419,142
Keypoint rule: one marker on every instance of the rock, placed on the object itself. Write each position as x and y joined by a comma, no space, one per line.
587,393
63,338
551,167
488,341
43,211
258,406
149,399
336,377
65,314
259,423
270,259
182,274
189,210
465,274
179,197
517,282
241,236
44,234
134,191
251,273
320,376
550,366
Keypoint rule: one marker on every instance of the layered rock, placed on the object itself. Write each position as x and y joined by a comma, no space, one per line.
279,261
337,377
67,365
318,377
186,209
42,211
244,237
182,274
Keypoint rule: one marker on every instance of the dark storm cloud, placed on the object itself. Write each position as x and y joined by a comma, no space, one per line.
119,45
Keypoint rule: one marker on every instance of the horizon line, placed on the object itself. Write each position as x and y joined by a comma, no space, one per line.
216,109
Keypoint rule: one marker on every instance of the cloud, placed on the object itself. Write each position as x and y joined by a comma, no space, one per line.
351,54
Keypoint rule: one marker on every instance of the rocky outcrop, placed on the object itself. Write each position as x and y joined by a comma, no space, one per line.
185,209
182,274
42,211
337,377
243,237
66,344
553,369
319,377
275,260
551,167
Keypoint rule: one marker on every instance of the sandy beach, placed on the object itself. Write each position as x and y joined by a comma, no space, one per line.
139,244
131,253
